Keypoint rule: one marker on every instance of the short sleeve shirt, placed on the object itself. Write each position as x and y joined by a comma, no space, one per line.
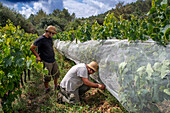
45,48
72,79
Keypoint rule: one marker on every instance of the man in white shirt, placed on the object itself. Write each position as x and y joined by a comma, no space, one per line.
76,82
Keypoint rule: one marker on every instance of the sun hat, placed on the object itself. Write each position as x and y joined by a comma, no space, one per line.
93,65
51,29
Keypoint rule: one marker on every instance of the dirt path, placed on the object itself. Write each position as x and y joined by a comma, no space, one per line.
34,99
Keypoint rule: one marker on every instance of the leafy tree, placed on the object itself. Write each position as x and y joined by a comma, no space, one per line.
59,19
5,14
56,12
31,19
16,18
36,18
73,25
46,21
66,15
125,10
73,16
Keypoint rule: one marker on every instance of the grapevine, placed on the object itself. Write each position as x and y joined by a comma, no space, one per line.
14,59
155,26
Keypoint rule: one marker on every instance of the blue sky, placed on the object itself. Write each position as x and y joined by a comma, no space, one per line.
82,8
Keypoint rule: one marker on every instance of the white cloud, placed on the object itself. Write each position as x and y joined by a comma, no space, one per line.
27,10
101,3
15,6
46,5
40,5
129,1
82,8
8,4
37,6
50,5
88,8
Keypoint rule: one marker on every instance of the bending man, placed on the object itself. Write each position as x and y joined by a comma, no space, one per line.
76,82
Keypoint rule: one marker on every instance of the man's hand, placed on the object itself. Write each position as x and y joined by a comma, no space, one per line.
38,58
101,86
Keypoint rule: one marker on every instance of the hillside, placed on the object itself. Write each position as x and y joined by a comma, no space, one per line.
138,8
64,21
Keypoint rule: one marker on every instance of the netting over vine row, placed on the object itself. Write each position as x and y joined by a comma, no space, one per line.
137,74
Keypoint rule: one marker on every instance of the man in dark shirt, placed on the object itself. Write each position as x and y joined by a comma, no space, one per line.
46,55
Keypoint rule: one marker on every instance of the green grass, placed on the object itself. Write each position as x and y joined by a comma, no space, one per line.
33,98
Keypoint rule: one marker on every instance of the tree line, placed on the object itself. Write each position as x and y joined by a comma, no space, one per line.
64,21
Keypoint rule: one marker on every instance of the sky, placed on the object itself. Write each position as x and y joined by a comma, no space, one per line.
81,8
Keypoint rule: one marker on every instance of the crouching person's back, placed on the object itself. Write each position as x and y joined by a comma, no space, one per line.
76,82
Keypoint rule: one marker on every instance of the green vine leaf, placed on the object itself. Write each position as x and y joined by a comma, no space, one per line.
165,68
149,69
157,67
141,70
167,91
122,66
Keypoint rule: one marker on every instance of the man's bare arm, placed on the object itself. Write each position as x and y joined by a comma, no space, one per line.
91,84
33,47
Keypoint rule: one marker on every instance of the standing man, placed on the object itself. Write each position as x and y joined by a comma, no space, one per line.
46,55
76,82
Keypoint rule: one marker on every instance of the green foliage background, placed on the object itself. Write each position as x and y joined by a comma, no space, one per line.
124,23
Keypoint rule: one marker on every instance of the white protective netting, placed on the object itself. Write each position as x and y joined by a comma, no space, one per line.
137,74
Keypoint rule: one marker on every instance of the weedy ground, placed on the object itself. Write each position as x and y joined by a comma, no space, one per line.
35,100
